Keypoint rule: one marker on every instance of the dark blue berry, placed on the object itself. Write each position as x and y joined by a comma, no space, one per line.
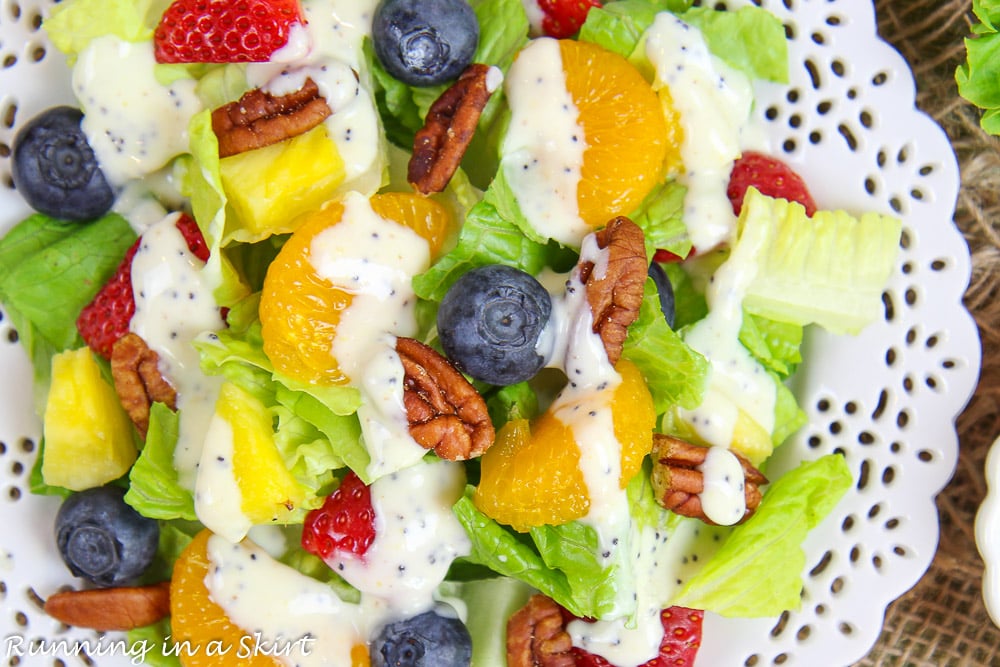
426,640
54,168
102,539
665,291
425,42
490,321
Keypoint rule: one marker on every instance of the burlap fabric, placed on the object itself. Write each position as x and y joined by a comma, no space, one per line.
942,620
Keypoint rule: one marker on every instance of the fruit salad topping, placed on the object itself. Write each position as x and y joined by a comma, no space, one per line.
424,408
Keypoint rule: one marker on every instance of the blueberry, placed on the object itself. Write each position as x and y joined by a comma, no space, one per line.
425,42
666,292
490,321
426,640
55,170
104,540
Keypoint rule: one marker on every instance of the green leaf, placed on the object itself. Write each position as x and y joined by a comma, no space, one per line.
751,39
757,571
155,489
674,372
50,270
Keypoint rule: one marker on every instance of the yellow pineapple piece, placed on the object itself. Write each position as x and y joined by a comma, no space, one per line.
88,436
268,188
751,439
268,490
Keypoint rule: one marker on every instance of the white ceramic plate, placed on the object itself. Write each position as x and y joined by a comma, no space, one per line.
988,533
886,399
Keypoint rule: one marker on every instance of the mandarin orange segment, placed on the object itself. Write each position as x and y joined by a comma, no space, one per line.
196,621
673,162
634,418
424,216
300,310
625,129
531,475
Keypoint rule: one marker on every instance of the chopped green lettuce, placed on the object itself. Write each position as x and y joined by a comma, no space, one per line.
674,372
757,570
619,26
49,270
829,269
978,78
751,39
154,486
71,25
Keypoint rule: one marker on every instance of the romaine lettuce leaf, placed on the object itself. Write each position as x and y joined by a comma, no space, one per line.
978,78
674,372
71,25
154,486
619,26
751,39
50,270
829,269
757,570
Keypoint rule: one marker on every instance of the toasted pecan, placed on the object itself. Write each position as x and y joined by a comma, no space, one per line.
107,609
677,481
445,411
451,121
138,381
616,294
537,637
260,119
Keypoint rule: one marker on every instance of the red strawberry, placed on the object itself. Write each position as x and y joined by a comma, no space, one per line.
192,234
771,177
681,640
224,31
563,18
106,318
345,522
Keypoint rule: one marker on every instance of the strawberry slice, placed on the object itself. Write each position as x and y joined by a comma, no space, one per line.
563,18
106,318
771,177
224,31
345,524
681,640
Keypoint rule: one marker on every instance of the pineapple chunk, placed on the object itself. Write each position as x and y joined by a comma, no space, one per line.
88,436
268,490
268,188
751,439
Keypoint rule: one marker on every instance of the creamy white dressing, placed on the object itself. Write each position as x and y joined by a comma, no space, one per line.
218,500
294,618
134,124
417,536
542,151
375,260
714,103
736,381
173,306
328,49
723,499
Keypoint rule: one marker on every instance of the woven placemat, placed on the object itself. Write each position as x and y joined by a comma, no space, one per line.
942,621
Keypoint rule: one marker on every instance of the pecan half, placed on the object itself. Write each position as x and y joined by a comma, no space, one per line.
537,637
107,609
445,411
138,381
616,294
677,480
260,119
440,144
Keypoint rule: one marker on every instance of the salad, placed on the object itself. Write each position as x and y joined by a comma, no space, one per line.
301,330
